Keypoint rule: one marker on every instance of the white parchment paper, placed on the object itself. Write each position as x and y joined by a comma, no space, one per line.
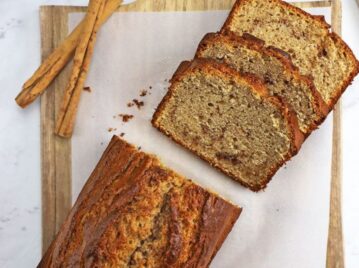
284,226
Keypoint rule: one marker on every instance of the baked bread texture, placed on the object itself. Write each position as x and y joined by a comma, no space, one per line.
313,48
133,212
248,54
230,120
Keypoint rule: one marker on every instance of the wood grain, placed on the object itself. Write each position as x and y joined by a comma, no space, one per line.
335,247
56,152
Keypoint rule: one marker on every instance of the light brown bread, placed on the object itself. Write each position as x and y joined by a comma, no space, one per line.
229,120
248,54
133,212
313,48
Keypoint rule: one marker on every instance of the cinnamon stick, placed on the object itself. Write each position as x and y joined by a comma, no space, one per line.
58,59
82,59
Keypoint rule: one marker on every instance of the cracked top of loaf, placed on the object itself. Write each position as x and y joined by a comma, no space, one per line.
133,212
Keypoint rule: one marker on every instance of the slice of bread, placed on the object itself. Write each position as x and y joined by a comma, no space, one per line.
248,54
230,120
313,48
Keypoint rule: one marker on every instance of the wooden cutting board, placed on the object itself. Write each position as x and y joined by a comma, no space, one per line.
56,152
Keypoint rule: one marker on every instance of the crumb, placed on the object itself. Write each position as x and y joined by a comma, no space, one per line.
114,116
143,92
88,89
23,228
101,143
126,117
150,87
166,80
277,209
285,167
111,129
122,134
139,147
138,103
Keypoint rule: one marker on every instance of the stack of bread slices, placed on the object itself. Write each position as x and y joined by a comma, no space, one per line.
256,89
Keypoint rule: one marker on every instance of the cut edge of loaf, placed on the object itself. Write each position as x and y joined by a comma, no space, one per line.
320,21
150,159
254,43
297,137
355,71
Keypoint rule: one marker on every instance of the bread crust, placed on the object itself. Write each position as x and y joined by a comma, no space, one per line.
320,22
253,43
256,84
122,164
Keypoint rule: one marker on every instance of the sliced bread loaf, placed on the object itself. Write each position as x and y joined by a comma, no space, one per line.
133,212
230,120
248,54
313,48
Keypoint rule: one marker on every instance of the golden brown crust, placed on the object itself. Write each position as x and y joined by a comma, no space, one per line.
256,84
256,44
125,189
184,65
320,21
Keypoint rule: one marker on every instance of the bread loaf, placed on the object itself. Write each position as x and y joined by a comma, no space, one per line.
229,120
133,212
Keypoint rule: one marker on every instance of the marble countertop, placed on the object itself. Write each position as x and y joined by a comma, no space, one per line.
20,191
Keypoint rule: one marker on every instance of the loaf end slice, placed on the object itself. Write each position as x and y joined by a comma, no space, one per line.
248,54
313,48
133,212
229,120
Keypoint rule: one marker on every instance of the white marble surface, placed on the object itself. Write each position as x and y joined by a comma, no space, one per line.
20,196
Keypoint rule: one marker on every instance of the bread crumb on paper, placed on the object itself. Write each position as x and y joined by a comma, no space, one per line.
143,92
126,117
138,103
88,89
111,129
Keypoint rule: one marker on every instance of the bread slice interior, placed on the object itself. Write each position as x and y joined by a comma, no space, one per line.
229,120
248,54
